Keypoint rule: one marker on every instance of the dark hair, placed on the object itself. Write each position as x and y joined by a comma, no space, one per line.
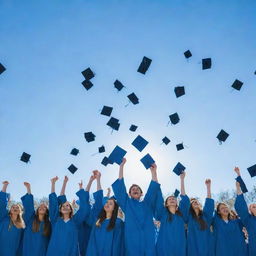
135,185
198,218
71,213
47,225
178,212
103,216
218,209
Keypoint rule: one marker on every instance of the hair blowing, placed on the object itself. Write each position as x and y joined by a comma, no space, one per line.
47,225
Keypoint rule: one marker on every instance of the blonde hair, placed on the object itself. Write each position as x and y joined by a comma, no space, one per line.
19,222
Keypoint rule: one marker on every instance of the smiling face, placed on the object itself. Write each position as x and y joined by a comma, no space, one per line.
42,209
66,209
135,192
195,204
223,210
15,209
109,206
171,201
252,209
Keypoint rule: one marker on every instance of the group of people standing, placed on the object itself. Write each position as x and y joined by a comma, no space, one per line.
124,224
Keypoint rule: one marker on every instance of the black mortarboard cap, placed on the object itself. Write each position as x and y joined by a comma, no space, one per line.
25,157
237,85
179,91
88,74
113,123
242,184
179,146
133,128
133,98
187,54
74,151
176,193
206,63
117,155
179,168
72,168
105,161
118,85
144,65
222,136
252,170
2,68
174,118
101,149
140,143
89,136
106,111
147,161
166,141
87,84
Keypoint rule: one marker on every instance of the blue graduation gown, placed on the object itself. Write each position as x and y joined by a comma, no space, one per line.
139,226
228,237
199,242
172,235
10,236
64,238
34,243
248,220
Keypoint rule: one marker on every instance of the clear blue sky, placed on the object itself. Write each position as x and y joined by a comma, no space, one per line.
44,109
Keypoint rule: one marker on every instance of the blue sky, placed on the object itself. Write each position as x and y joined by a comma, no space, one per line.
44,109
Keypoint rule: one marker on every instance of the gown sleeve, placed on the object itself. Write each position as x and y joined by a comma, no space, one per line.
159,212
53,207
151,195
3,205
241,208
208,210
184,207
120,193
28,204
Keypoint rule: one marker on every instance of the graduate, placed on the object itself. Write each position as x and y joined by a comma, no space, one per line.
11,226
64,238
172,235
199,238
247,216
38,226
139,226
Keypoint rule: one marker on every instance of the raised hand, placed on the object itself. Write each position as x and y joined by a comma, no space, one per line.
123,162
53,180
237,171
80,185
208,182
183,175
65,179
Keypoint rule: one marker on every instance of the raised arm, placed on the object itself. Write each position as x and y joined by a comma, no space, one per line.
121,169
108,193
208,188
53,202
53,181
98,177
184,202
209,203
88,187
182,183
63,188
3,201
28,203
5,185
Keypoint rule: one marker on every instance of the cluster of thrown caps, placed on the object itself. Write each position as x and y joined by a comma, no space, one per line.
118,153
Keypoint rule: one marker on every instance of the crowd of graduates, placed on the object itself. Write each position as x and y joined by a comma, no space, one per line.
126,224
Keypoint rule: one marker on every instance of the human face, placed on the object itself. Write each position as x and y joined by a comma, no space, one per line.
66,208
135,192
171,201
195,204
42,208
252,209
109,206
223,210
15,210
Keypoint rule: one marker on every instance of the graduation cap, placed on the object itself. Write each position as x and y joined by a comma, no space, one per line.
252,170
174,118
105,161
2,68
87,84
140,143
25,157
113,123
133,98
118,85
176,193
133,128
88,74
117,155
187,54
242,184
106,111
179,168
89,136
237,85
206,63
222,136
101,149
74,151
179,91
179,146
166,141
144,65
72,168
147,161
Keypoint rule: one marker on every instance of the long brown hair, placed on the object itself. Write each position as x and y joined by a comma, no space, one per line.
72,210
198,218
103,216
218,210
170,215
47,225
19,222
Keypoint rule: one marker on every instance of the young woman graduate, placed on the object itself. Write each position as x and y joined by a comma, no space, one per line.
107,231
11,226
247,216
139,226
172,235
229,238
38,226
64,238
199,238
